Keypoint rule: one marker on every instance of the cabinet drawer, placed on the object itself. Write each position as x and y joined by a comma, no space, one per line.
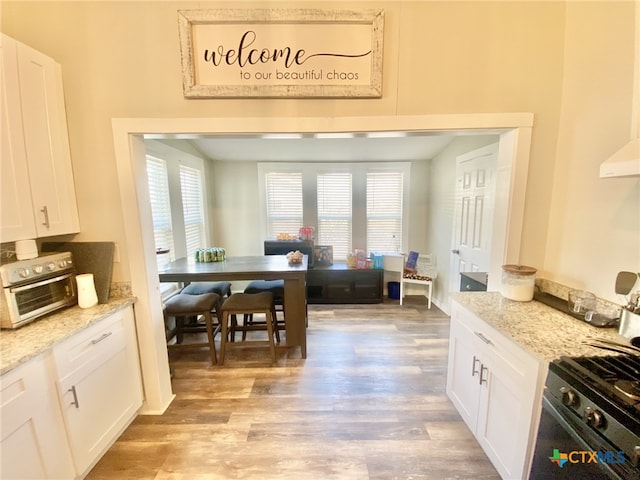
497,344
93,345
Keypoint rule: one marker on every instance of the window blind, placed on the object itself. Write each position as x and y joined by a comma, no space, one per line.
160,208
334,212
384,211
192,208
284,202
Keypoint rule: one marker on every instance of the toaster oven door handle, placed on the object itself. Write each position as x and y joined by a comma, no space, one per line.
39,284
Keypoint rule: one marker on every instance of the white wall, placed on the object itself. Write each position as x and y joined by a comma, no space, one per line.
594,223
569,63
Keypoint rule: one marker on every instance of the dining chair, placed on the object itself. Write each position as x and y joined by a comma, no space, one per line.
183,306
247,304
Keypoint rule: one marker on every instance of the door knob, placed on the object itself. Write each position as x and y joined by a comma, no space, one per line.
455,251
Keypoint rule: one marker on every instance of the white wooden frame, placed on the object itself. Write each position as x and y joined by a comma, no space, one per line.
139,255
235,56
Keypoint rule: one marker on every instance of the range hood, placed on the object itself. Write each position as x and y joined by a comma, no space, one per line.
625,162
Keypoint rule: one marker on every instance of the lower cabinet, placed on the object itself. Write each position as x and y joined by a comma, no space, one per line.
99,386
62,410
33,443
497,388
339,284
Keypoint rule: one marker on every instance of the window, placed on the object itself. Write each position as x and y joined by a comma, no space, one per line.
384,211
177,189
192,208
284,203
160,208
334,212
352,205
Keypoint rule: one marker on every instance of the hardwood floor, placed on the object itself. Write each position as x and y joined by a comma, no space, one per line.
369,402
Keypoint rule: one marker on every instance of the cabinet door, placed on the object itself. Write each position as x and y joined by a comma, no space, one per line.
463,376
339,284
47,143
505,412
315,285
101,394
33,444
16,212
367,284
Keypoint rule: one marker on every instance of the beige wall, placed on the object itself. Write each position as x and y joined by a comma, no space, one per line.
568,64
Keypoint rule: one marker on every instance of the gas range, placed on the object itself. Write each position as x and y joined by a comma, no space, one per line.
599,397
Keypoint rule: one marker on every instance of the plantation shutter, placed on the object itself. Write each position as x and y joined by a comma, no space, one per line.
284,203
334,213
160,208
384,211
192,208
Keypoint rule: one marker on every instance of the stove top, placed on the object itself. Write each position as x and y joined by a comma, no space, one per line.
615,376
602,394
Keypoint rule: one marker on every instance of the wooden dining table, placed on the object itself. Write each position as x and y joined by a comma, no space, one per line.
267,267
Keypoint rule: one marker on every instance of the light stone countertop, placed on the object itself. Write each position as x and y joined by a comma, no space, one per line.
539,329
20,345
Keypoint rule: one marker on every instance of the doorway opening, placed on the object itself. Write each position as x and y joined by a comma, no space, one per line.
513,130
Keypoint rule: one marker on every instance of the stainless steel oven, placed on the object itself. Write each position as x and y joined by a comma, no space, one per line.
590,423
35,287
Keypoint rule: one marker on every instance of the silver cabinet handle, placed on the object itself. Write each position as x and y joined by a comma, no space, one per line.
75,396
455,251
45,212
482,377
483,338
473,366
100,338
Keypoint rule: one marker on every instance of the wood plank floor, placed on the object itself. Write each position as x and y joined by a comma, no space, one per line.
369,402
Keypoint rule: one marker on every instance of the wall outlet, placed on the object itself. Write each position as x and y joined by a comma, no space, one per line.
116,254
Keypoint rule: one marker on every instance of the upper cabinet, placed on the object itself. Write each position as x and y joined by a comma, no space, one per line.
37,194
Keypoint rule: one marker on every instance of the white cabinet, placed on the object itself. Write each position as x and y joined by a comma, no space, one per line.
99,386
33,444
37,190
496,387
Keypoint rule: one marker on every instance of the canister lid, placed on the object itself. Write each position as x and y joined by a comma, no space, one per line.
519,269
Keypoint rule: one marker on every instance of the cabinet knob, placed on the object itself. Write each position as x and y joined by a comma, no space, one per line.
455,251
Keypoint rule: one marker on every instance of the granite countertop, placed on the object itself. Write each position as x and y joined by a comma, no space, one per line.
20,345
539,329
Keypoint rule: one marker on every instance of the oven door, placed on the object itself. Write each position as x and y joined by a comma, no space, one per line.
561,432
30,301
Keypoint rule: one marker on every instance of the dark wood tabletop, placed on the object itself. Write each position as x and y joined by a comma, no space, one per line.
264,267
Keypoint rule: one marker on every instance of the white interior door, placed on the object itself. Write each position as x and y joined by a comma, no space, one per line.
473,215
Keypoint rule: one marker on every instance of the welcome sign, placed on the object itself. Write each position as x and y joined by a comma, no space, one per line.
281,53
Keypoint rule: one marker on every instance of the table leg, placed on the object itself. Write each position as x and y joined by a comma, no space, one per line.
295,306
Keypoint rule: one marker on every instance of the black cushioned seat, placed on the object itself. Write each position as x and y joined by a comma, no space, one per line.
198,288
184,305
276,287
248,304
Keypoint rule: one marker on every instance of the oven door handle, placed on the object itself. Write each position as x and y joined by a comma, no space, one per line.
39,284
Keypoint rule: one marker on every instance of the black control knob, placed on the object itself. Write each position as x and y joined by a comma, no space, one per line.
569,397
593,417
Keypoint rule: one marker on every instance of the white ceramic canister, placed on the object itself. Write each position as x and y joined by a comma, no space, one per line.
87,296
518,282
26,249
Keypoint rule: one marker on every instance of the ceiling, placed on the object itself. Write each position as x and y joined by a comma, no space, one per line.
372,146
